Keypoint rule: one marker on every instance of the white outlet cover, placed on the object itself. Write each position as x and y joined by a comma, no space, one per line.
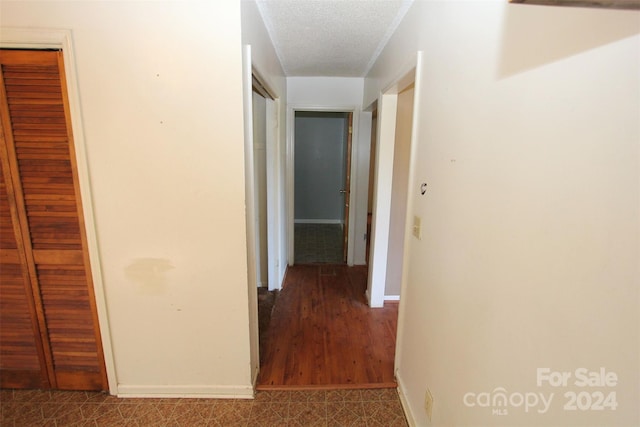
428,403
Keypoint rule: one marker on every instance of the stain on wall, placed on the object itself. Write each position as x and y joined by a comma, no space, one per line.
149,274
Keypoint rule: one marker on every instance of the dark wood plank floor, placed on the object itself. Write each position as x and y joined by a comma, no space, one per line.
323,335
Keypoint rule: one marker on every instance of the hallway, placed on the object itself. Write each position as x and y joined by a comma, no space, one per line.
323,335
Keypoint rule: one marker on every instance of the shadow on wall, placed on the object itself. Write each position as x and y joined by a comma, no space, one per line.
538,35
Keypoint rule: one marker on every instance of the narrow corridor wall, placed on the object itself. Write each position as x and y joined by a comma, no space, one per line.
531,221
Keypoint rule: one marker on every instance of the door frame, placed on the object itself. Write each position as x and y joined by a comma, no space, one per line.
346,188
387,106
290,168
24,38
271,136
251,76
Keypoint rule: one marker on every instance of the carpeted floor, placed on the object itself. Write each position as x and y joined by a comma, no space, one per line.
29,408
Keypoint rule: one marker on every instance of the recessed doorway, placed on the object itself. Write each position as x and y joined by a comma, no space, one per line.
322,151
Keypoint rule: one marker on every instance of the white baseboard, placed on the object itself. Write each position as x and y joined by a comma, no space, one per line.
187,391
411,420
254,381
392,297
318,221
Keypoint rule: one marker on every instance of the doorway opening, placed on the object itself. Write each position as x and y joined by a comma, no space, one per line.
322,333
322,169
266,297
394,120
261,147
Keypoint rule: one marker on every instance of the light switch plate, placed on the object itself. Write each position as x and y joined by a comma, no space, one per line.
417,227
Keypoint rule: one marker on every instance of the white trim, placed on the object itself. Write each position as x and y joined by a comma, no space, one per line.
290,190
250,210
186,391
39,38
353,185
408,414
254,378
392,297
289,184
318,221
408,235
248,166
274,190
404,77
35,38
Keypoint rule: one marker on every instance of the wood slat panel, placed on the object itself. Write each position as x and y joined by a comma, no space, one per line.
17,340
25,60
80,380
7,236
69,320
53,257
15,378
45,168
18,347
43,152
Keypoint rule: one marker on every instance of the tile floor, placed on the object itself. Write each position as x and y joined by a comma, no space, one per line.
318,243
365,408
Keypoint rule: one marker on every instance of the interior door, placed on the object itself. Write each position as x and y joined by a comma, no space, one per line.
41,184
347,187
321,191
22,364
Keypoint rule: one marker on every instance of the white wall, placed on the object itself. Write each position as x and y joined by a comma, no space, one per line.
329,93
162,119
528,137
325,91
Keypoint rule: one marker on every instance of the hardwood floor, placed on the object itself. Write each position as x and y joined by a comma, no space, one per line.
323,335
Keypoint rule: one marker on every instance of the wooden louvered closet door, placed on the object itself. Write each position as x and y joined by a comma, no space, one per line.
21,358
49,334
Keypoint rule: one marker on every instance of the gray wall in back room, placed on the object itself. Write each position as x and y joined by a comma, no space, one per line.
320,148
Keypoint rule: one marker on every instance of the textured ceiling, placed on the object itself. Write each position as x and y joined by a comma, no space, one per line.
330,37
